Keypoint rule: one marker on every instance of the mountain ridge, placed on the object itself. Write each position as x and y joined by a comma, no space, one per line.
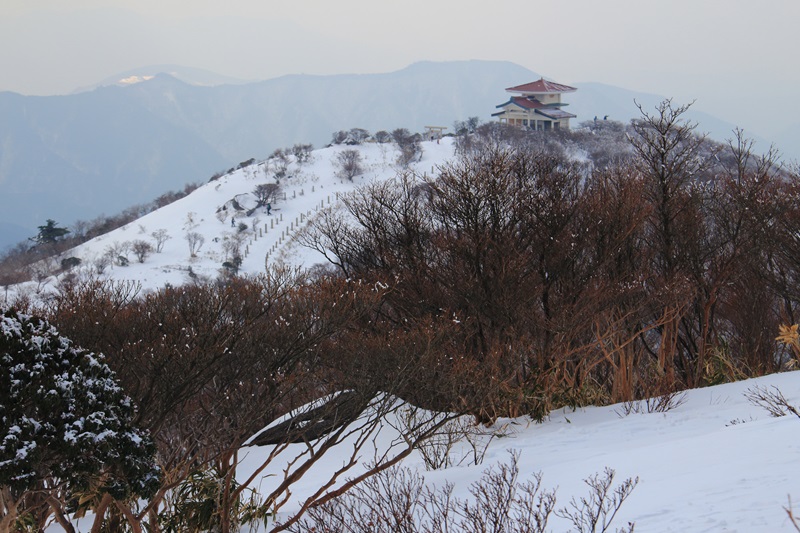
125,145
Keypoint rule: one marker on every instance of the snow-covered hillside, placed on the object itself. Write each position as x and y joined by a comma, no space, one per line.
715,462
216,210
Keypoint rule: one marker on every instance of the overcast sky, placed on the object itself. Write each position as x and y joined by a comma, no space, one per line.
737,58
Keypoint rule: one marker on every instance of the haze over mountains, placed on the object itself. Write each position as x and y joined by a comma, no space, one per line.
102,150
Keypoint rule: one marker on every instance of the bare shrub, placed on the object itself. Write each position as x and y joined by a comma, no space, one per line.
338,137
279,160
409,146
141,249
794,520
13,269
100,264
460,246
302,153
194,359
348,163
190,222
232,246
596,513
397,500
117,252
436,450
357,136
502,503
459,441
771,400
466,127
657,404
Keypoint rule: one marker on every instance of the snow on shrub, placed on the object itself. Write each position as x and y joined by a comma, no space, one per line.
63,416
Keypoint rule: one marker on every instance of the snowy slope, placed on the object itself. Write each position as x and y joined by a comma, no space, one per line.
715,463
268,239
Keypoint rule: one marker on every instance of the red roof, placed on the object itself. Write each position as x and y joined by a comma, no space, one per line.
542,86
525,103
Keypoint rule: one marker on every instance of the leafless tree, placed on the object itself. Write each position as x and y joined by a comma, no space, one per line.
349,164
195,241
141,249
357,136
279,161
161,236
408,145
117,252
266,193
302,153
338,137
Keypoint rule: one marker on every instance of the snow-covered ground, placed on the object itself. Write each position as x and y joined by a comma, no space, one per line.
714,463
268,238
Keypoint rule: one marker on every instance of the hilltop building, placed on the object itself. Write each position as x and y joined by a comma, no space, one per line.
537,106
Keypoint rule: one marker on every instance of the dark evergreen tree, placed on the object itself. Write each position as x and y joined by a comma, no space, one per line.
64,418
50,232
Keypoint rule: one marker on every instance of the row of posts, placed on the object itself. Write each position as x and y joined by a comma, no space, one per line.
286,232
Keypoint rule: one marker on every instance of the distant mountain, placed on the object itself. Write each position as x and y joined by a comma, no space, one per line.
247,120
75,157
192,76
100,151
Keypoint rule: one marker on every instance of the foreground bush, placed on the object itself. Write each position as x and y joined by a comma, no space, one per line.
65,425
398,500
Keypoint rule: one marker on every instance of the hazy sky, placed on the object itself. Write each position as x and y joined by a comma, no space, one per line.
732,56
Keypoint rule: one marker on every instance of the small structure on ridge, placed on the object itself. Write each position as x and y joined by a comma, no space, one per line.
536,106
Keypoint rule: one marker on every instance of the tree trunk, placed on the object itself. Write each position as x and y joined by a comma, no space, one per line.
136,527
58,513
9,505
100,512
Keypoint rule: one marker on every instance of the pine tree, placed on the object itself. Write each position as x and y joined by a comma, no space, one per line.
50,232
